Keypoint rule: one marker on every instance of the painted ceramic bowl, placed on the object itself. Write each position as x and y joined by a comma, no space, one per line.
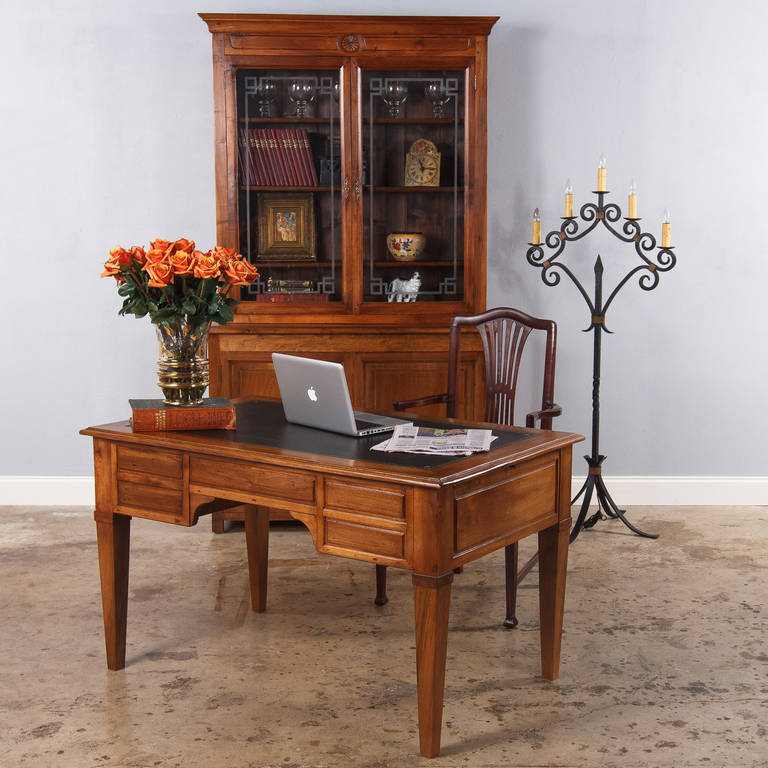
406,246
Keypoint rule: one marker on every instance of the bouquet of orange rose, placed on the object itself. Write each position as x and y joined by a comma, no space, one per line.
175,284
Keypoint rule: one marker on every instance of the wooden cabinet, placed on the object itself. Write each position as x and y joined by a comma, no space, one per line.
331,134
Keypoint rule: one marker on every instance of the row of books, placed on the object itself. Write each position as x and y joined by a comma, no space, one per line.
276,157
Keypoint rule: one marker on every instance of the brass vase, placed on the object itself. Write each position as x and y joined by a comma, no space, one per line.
182,368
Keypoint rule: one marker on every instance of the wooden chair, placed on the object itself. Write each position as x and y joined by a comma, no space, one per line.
504,333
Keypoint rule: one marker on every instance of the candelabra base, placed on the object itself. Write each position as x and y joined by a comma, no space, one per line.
606,506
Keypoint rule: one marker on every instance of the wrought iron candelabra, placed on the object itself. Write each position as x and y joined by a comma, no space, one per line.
654,260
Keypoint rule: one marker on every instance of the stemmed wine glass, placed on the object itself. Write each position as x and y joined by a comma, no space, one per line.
395,93
266,93
436,92
301,92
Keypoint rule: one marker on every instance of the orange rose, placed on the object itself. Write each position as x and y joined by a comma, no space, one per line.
159,245
123,257
137,255
182,244
112,269
154,256
160,274
182,263
240,272
118,258
207,267
223,255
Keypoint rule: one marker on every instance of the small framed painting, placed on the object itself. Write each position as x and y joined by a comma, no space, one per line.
287,226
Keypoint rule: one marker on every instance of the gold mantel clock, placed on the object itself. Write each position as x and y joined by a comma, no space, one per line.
422,165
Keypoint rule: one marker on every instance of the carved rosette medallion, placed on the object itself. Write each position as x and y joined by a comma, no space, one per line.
351,43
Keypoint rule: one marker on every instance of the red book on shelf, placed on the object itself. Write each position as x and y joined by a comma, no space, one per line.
265,170
257,164
253,160
282,157
293,154
296,152
155,416
307,154
293,160
277,298
243,149
274,160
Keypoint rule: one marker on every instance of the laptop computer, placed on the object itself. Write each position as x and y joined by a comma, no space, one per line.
315,394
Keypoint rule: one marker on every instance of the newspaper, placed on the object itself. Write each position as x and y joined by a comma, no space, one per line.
411,438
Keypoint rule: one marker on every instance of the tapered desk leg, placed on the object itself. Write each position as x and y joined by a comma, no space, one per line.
257,544
113,535
431,597
553,559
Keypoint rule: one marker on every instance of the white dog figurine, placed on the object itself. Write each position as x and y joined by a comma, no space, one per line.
405,290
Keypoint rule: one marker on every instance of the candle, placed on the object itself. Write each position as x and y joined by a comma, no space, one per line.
666,227
632,206
568,199
601,174
536,238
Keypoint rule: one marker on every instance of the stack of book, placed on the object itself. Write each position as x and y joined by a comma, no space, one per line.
276,157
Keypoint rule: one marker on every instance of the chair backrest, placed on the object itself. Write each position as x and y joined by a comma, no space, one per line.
504,332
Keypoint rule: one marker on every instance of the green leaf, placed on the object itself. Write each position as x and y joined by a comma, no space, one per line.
224,315
189,307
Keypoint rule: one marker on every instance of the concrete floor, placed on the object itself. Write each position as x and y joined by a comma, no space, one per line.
664,654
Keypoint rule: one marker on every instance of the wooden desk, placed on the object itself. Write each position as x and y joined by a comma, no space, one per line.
426,514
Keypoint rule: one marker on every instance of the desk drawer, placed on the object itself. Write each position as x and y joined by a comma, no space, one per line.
367,539
150,484
521,503
258,479
156,503
369,499
149,461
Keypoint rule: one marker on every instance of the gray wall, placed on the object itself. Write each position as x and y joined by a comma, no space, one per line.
108,138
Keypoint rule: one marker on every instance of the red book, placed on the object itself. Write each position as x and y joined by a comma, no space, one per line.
246,178
264,169
271,152
155,416
277,298
290,154
296,153
307,154
257,161
282,157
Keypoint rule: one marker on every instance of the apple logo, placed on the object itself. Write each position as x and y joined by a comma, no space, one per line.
312,395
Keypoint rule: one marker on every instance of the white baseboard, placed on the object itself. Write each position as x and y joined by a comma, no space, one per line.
27,490
684,490
627,491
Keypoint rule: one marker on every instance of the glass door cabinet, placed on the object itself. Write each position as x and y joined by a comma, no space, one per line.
351,170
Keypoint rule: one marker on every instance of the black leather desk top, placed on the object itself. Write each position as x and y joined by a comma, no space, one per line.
263,423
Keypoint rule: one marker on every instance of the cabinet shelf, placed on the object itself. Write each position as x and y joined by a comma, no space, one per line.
411,190
409,121
414,263
288,119
286,189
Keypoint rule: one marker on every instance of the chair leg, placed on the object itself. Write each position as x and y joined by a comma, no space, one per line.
381,585
510,564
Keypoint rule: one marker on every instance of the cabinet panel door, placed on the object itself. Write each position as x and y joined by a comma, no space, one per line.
388,379
415,179
255,376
